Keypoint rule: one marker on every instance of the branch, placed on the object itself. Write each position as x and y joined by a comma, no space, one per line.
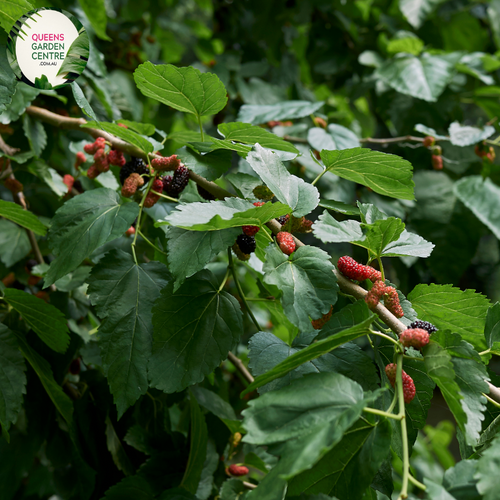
240,367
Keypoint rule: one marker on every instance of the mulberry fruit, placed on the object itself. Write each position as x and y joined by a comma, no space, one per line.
286,242
414,337
69,180
263,193
75,366
116,157
80,159
92,172
150,199
92,148
306,226
372,298
250,230
130,231
166,163
122,125
258,203
437,162
352,270
101,160
157,186
237,250
391,302
408,384
134,166
131,184
320,323
283,219
319,122
429,141
425,325
179,181
237,470
246,243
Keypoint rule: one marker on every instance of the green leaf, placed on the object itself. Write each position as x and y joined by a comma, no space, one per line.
232,489
380,234
436,491
185,89
334,137
302,197
197,450
12,378
409,44
8,79
14,243
81,100
416,11
95,10
194,329
77,56
25,218
24,95
232,212
307,281
488,469
213,403
423,77
42,368
250,134
83,224
115,447
482,197
492,327
465,135
130,488
124,293
386,174
410,245
35,133
123,133
190,251
471,377
11,11
440,370
46,320
288,110
211,165
424,129
176,494
329,230
267,350
309,353
447,307
339,206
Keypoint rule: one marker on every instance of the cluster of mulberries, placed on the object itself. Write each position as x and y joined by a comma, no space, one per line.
390,296
425,325
437,158
409,390
173,185
102,159
483,151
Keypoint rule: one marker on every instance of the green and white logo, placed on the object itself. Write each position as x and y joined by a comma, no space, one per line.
48,48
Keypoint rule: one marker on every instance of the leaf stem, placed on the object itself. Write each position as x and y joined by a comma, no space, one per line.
240,291
201,129
382,413
393,402
319,177
379,260
224,281
147,240
417,483
404,435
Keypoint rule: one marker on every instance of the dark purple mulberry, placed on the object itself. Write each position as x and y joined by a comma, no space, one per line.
246,243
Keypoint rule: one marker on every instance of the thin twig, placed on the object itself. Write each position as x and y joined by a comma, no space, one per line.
238,364
249,486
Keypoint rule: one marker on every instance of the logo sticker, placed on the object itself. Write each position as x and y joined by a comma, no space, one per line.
48,48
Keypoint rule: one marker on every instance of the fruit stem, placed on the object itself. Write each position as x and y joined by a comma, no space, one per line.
232,268
417,483
385,414
141,207
492,401
393,402
404,435
380,334
379,260
165,196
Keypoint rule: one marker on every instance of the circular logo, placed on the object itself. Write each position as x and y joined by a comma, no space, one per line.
48,48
